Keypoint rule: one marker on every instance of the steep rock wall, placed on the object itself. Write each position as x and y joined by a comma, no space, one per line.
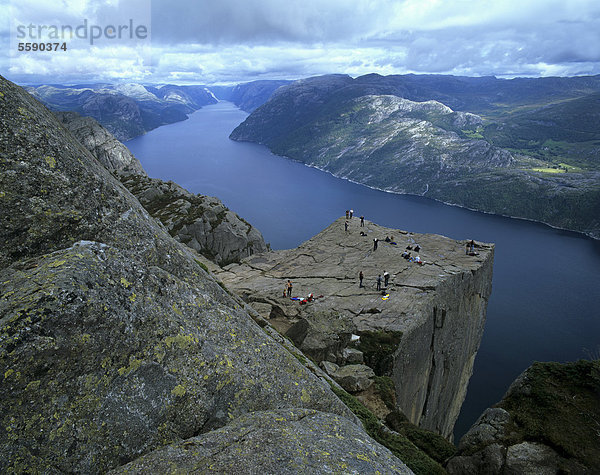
424,334
434,360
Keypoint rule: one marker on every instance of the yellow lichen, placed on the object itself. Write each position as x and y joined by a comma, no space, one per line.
57,263
51,161
178,390
132,298
305,397
8,373
176,310
134,364
125,282
182,341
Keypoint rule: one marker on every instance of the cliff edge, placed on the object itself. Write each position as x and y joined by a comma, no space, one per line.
423,330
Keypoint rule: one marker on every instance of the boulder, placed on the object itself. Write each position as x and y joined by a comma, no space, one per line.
352,356
284,441
545,423
531,458
354,378
322,335
328,367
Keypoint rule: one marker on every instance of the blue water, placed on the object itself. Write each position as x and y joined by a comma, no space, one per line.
545,303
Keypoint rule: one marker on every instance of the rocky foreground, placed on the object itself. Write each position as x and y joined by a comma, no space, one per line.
115,342
423,330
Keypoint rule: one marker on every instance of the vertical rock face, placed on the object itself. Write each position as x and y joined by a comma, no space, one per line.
114,342
438,354
423,330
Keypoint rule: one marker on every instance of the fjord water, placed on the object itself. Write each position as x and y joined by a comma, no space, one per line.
545,303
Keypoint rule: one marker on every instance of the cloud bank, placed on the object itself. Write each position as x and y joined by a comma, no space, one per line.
239,40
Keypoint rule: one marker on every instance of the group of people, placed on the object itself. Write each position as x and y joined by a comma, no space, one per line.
378,281
350,214
470,251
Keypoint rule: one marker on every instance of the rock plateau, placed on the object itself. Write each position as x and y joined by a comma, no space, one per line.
424,335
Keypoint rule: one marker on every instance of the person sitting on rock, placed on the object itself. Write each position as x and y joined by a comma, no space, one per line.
406,255
409,248
387,239
417,248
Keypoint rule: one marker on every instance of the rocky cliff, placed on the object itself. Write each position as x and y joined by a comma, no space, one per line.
114,342
422,331
548,422
111,153
201,222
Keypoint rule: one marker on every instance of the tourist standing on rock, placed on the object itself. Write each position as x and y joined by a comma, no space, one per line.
375,244
351,213
360,278
379,282
386,278
289,288
347,214
346,226
362,221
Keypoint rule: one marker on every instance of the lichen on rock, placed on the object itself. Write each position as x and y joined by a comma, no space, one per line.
114,340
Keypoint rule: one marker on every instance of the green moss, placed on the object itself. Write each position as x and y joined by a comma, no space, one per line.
561,408
434,445
418,461
201,265
378,348
384,386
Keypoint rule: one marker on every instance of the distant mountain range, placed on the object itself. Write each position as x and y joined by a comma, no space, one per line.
526,148
130,110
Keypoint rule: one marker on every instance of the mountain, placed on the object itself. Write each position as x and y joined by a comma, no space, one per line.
482,143
116,344
248,96
126,110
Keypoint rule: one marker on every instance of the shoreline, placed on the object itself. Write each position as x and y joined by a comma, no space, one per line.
579,233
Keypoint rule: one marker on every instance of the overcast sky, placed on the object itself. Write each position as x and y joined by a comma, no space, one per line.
227,41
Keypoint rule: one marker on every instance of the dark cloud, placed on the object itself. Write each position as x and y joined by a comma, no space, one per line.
259,22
